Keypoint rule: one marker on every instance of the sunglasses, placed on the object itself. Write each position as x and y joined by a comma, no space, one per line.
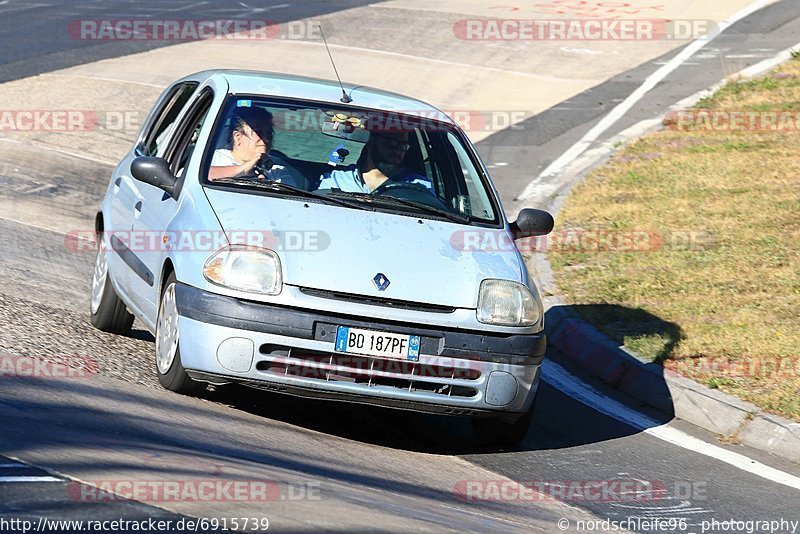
394,144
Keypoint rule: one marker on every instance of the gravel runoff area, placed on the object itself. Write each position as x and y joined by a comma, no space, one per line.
44,310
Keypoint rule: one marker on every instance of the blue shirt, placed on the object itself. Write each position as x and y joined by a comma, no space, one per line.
350,180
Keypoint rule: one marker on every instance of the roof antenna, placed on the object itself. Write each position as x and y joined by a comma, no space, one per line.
345,99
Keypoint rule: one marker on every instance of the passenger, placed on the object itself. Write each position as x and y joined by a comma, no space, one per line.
250,137
380,161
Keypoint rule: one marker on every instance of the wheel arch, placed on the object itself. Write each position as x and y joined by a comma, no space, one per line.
99,223
166,270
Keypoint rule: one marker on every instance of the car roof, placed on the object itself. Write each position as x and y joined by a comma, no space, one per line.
319,90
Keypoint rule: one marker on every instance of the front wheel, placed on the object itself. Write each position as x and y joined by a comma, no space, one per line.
108,311
169,368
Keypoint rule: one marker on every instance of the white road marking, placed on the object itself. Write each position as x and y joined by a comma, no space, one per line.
582,51
61,232
29,479
745,56
252,10
618,112
174,9
767,64
18,8
560,378
102,79
59,151
687,64
443,62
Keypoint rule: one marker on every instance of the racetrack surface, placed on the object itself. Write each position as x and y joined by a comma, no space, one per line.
371,467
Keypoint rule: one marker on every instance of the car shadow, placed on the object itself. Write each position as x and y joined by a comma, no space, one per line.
622,324
140,334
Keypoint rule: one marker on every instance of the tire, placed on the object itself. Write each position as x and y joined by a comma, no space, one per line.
170,370
108,311
499,432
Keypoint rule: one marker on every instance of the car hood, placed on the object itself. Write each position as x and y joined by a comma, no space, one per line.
334,248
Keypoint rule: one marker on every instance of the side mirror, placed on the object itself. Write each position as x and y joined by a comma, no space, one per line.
532,223
156,172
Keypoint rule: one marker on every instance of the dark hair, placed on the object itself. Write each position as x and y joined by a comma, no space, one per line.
259,120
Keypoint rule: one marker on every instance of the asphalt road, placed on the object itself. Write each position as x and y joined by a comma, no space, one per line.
369,467
41,42
29,493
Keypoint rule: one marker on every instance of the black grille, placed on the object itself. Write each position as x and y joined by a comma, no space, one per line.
366,371
373,301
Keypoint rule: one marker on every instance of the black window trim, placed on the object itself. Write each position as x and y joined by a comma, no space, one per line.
183,131
158,118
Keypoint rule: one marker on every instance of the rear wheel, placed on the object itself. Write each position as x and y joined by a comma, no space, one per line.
169,368
499,432
108,311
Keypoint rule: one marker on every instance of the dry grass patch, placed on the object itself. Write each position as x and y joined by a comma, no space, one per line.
721,270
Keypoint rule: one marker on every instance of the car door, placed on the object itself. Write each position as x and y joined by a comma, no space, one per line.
128,244
156,207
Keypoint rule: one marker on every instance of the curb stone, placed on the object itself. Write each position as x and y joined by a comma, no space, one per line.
664,390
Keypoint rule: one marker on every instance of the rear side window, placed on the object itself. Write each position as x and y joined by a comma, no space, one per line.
165,117
185,139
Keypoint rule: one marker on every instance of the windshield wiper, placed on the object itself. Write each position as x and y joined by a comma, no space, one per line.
387,199
455,217
278,186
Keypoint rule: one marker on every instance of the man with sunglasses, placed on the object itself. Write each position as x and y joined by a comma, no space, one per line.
380,161
250,137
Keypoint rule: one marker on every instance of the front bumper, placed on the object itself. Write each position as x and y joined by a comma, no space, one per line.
224,339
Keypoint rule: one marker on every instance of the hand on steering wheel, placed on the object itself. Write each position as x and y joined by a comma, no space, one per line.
389,185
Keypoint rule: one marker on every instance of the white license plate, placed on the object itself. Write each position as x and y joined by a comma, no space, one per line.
372,343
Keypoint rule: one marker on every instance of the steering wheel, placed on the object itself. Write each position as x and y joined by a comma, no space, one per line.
266,159
409,191
279,154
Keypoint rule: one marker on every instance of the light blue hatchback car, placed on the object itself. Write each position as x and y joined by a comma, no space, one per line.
340,242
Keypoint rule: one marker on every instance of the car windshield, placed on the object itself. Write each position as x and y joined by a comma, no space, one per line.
400,163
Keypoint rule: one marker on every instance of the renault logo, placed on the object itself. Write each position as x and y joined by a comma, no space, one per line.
380,281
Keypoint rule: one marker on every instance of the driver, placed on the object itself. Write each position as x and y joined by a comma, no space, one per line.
380,162
250,137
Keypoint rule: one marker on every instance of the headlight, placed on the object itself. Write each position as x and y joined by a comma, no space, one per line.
245,268
506,303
